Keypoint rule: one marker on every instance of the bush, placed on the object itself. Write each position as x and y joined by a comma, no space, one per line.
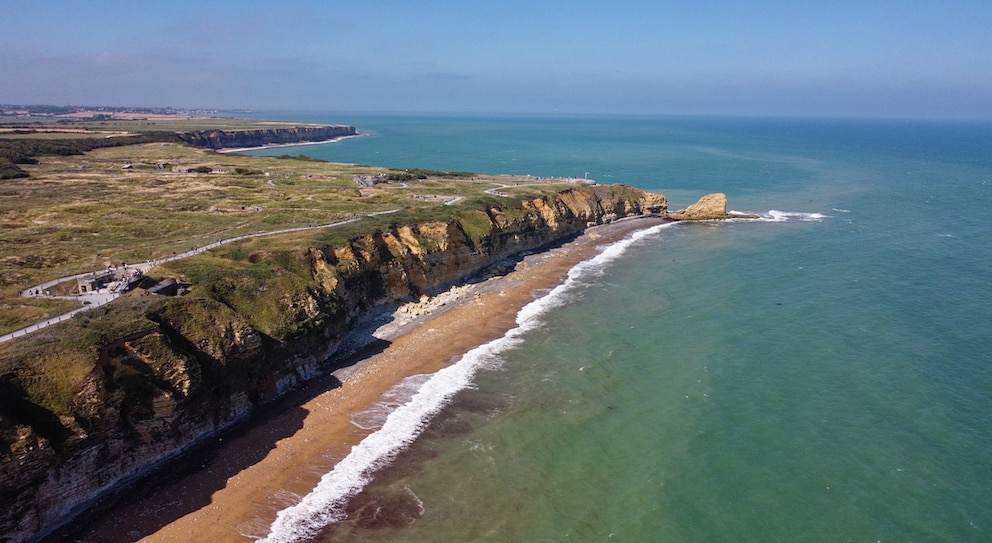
299,157
412,174
9,170
401,176
22,151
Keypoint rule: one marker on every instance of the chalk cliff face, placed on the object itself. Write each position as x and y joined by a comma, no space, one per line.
212,357
228,139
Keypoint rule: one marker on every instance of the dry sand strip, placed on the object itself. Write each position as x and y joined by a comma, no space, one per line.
282,457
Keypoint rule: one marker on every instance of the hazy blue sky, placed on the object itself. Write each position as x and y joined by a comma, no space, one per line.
833,58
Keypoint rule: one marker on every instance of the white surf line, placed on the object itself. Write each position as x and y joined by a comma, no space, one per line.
297,144
776,215
324,504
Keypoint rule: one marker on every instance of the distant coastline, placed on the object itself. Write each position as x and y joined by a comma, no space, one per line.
246,138
296,144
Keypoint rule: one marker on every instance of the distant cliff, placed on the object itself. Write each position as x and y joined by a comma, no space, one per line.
146,377
232,139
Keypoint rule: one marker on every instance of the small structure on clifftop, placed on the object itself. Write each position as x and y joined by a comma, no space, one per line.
165,287
117,279
369,181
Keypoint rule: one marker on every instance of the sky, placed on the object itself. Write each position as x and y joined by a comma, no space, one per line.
863,58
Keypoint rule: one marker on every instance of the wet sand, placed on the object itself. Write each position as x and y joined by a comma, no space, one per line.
232,492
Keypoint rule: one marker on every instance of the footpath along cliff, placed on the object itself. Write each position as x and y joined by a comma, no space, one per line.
146,377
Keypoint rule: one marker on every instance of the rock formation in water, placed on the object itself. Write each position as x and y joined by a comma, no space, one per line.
709,207
162,374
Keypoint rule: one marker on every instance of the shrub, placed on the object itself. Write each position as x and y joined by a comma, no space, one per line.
9,170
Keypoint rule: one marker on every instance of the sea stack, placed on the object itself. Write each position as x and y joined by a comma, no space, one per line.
709,207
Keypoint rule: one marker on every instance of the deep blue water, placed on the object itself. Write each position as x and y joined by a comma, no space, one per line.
824,377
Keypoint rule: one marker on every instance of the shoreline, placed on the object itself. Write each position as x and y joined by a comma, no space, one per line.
233,491
297,144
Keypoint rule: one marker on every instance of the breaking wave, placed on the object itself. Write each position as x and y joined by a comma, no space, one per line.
404,412
784,216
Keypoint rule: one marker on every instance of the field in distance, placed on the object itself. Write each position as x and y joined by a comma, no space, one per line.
81,213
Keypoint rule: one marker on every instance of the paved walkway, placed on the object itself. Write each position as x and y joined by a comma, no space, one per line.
90,300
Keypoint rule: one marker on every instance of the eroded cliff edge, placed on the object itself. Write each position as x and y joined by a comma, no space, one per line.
228,139
147,377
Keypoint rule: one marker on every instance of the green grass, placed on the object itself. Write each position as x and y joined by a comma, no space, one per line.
80,213
476,224
51,365
76,214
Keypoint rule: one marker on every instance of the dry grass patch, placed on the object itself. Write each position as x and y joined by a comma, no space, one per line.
131,204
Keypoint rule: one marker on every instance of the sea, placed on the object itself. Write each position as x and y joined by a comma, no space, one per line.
821,374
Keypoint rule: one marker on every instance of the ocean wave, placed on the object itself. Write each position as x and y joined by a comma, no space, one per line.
399,424
375,417
783,216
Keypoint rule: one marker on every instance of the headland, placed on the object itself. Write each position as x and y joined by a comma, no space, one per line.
220,503
98,401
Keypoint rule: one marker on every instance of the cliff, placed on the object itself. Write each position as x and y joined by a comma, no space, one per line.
145,377
229,139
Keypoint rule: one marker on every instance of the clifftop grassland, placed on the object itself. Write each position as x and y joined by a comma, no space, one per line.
143,202
133,203
95,401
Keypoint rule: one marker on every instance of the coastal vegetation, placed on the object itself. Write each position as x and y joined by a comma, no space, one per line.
85,203
18,151
115,389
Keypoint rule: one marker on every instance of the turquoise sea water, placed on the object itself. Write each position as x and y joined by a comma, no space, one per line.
824,376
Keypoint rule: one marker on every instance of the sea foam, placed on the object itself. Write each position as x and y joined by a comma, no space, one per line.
783,216
375,417
776,215
325,503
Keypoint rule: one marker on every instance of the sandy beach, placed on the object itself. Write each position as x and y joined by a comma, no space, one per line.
232,492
